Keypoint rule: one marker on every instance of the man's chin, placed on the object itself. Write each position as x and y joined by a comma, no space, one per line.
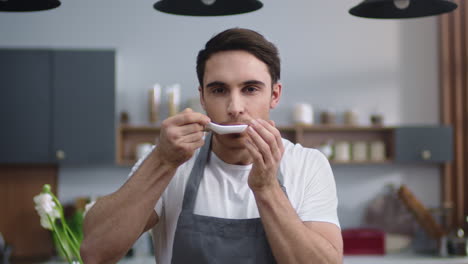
233,140
235,135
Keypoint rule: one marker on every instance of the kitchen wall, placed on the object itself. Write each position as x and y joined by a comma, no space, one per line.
329,59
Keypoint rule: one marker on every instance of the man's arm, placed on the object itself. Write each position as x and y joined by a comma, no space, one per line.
291,240
116,221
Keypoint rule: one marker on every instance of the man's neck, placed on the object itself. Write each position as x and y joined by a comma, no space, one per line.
235,156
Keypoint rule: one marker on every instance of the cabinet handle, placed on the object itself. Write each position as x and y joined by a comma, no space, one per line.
60,154
426,154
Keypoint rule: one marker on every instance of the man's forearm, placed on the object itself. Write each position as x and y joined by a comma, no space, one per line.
117,220
290,239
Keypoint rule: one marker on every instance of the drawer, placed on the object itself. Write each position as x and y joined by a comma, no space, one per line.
424,144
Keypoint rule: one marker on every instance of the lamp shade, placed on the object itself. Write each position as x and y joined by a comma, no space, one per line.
207,7
402,8
27,5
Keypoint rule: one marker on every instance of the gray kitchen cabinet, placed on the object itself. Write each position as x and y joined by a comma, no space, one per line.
84,106
25,106
424,144
57,106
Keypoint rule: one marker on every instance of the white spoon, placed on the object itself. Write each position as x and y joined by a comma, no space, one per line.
219,129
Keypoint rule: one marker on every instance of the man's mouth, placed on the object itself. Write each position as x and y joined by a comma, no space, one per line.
235,123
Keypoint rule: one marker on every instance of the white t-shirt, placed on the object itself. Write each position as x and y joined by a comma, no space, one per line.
224,192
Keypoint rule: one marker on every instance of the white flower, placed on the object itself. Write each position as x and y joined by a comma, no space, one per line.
88,207
47,209
45,222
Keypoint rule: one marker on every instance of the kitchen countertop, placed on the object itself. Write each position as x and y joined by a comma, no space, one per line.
130,260
387,259
404,259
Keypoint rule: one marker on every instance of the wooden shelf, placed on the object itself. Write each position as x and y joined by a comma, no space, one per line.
343,128
370,162
144,128
129,136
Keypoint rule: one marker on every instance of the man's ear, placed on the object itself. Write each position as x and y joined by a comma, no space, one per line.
202,100
275,95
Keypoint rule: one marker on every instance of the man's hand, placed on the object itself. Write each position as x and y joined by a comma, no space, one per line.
266,147
181,135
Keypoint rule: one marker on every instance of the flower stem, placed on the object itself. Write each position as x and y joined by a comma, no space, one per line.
73,243
58,234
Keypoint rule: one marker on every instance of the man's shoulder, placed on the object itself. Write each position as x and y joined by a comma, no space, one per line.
296,149
296,153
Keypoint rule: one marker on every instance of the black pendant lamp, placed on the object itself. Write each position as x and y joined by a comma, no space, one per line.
207,7
27,5
402,8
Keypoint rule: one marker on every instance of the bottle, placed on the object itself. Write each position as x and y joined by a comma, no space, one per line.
173,101
154,102
303,114
328,117
342,151
350,118
359,151
457,242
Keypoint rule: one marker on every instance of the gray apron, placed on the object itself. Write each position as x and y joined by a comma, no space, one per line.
204,239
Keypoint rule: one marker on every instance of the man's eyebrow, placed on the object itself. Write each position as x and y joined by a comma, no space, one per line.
253,82
222,84
215,84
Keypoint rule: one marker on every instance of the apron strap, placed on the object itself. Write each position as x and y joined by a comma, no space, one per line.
196,175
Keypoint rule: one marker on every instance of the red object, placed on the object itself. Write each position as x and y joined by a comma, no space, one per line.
363,241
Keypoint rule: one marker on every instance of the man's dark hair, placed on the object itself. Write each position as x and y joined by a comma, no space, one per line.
241,39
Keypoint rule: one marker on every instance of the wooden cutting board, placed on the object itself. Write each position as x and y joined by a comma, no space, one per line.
422,214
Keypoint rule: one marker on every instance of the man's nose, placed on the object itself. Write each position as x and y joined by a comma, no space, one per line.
235,106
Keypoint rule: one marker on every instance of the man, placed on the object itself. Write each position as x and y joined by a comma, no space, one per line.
237,198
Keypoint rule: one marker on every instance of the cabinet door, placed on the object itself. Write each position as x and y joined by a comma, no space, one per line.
83,112
25,102
425,144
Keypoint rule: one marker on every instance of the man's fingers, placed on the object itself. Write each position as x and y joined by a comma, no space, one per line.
190,129
263,147
195,145
269,137
253,150
181,135
189,143
184,123
188,116
271,127
192,138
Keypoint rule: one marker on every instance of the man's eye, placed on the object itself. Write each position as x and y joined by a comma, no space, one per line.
218,90
251,89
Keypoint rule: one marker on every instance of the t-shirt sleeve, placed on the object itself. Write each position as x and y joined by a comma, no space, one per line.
159,205
320,200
